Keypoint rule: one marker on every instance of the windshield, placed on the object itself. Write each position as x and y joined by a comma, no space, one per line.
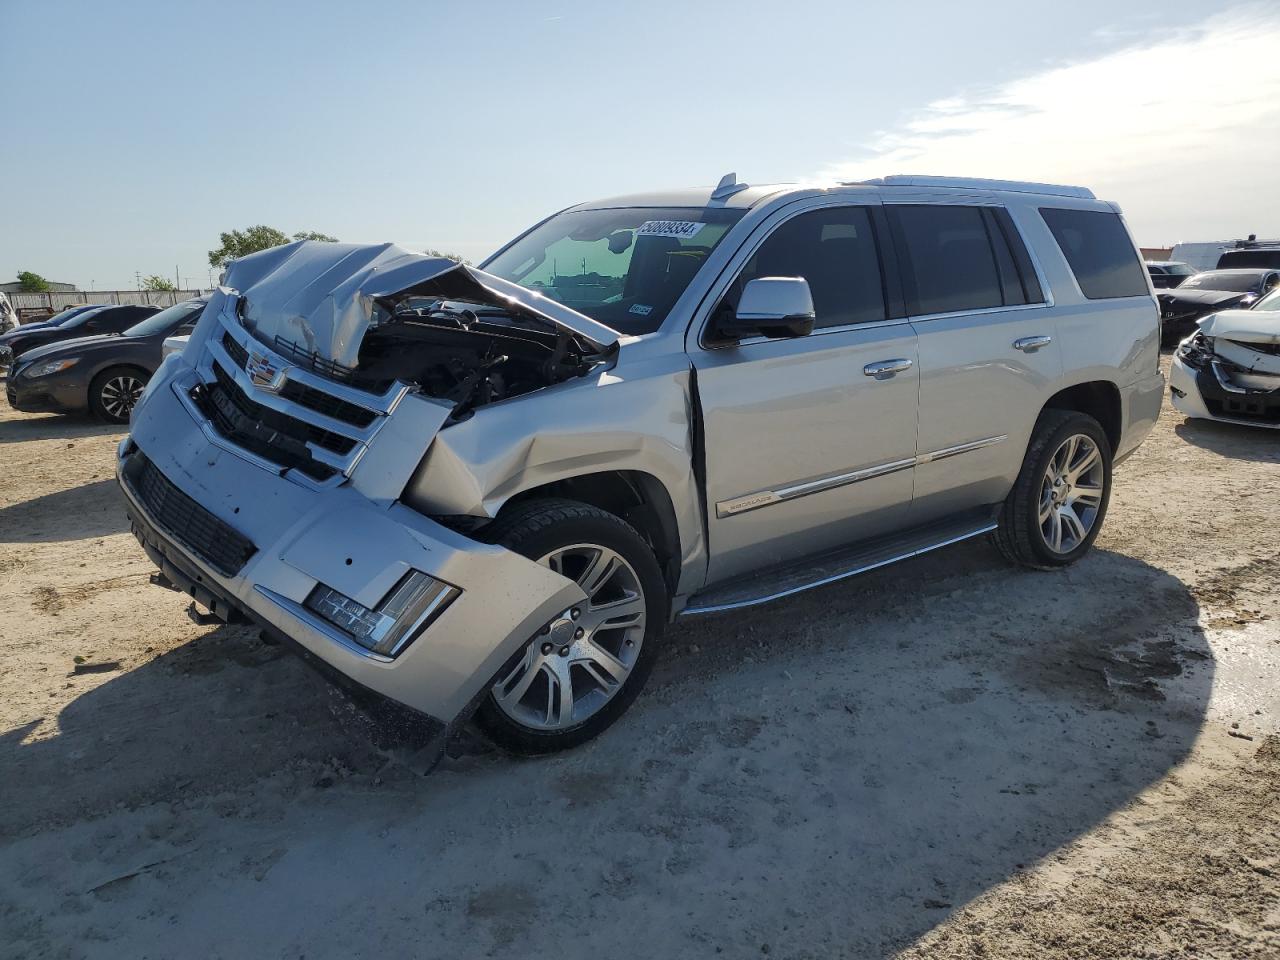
1270,302
60,318
1178,269
166,321
83,317
622,267
1226,280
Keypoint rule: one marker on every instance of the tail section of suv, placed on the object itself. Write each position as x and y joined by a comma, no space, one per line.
482,493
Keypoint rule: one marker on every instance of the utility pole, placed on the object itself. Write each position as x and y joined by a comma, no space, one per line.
176,282
137,278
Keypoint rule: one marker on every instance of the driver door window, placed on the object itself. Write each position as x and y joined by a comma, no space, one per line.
834,249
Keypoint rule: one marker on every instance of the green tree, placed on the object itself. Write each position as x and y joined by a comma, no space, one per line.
156,282
448,256
315,235
29,282
241,243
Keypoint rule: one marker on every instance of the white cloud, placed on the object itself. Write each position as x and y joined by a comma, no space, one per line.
1183,131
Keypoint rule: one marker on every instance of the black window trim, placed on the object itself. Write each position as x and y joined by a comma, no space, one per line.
1029,272
890,275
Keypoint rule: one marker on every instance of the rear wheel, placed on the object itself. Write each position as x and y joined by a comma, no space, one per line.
115,392
1056,508
582,671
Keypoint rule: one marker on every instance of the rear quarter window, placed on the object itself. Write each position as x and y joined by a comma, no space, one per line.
1099,252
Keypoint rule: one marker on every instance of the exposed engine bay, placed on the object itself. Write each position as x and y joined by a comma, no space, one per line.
368,315
469,353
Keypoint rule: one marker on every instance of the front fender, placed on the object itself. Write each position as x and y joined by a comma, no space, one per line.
635,419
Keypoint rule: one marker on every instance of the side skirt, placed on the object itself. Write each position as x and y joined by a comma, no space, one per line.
805,574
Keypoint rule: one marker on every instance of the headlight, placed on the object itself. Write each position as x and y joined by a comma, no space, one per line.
48,367
400,616
1196,350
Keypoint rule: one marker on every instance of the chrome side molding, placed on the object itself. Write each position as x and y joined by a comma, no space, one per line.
753,501
765,498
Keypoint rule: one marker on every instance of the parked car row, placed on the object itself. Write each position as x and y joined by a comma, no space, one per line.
1208,292
91,358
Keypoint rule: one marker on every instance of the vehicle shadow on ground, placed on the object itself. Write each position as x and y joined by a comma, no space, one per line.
55,427
1237,441
85,512
214,713
842,769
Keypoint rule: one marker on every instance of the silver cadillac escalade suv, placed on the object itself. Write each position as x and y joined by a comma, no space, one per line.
481,493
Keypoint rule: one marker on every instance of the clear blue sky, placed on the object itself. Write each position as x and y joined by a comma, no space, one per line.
135,132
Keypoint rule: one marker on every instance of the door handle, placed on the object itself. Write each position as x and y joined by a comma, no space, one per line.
884,369
1031,344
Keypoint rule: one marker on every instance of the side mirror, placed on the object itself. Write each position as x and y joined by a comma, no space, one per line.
775,307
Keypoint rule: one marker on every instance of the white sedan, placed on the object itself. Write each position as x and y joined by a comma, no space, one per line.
1229,369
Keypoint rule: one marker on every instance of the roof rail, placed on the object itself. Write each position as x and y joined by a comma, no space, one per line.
974,183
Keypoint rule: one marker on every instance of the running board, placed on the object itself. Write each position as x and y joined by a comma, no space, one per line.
778,582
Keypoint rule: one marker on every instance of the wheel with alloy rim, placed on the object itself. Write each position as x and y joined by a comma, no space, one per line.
1071,493
1056,507
114,393
583,668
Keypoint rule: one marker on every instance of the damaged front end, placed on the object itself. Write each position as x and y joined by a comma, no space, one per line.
266,463
1229,369
373,315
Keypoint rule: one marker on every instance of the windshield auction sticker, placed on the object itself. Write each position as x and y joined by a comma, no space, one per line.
680,229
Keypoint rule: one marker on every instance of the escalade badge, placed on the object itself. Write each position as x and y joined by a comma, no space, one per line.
265,372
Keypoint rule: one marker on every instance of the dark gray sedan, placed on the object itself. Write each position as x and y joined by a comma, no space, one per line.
104,374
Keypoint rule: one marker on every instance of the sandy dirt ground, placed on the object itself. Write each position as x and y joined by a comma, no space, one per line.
946,758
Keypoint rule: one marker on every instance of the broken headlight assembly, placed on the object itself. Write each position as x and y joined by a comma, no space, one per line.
1196,351
399,617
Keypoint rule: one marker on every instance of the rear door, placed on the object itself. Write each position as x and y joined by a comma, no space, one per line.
988,351
806,446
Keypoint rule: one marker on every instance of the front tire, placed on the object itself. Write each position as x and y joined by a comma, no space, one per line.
115,392
572,681
1055,509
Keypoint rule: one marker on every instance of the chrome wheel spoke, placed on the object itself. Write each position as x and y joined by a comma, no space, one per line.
1086,496
1055,531
1073,529
530,673
1066,454
626,611
1089,459
596,658
598,572
1046,507
559,698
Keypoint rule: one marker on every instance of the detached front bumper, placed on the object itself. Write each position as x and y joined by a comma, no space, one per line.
245,540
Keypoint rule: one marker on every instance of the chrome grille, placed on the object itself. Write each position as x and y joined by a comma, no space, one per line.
314,428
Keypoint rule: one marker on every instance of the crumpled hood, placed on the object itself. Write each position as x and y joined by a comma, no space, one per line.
1247,326
321,296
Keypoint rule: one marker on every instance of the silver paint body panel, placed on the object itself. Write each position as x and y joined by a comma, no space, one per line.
768,451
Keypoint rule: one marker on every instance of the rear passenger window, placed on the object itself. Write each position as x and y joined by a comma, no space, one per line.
834,249
950,264
1099,251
